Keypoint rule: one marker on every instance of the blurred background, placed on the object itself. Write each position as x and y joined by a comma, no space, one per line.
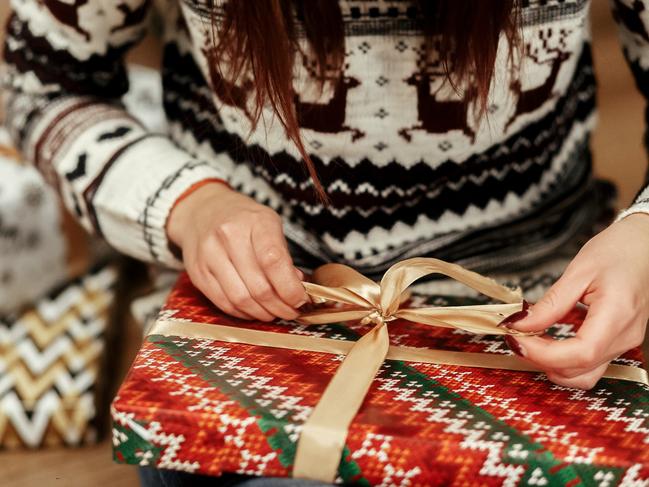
618,154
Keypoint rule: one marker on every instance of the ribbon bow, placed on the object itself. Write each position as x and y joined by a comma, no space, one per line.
367,301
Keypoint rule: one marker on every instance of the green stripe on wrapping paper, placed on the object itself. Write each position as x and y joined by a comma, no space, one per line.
349,471
132,450
272,427
267,423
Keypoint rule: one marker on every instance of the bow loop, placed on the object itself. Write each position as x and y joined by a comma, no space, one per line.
342,276
401,275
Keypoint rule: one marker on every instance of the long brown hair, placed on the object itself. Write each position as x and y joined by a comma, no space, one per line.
259,39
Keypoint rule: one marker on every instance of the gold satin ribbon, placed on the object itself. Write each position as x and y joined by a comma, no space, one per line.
323,435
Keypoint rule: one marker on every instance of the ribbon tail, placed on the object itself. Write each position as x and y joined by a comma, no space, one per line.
323,436
332,315
481,323
503,309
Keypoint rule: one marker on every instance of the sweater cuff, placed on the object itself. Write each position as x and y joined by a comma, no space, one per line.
132,214
640,205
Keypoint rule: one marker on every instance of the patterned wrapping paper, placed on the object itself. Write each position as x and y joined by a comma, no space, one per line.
209,407
50,357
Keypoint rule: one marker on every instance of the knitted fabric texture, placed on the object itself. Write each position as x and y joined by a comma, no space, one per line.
408,169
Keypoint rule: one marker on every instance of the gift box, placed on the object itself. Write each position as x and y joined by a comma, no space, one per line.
50,358
197,404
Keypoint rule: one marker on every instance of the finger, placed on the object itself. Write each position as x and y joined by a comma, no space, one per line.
300,275
556,303
273,257
585,381
620,346
233,287
218,297
245,262
593,344
576,372
237,292
209,286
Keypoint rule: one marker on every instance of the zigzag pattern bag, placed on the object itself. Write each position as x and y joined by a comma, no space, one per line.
50,356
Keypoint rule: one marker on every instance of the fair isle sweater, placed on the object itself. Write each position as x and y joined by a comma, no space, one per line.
408,168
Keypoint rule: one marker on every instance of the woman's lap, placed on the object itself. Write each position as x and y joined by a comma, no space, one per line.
152,477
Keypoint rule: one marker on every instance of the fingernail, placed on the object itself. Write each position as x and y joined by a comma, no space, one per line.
513,318
519,315
514,345
301,303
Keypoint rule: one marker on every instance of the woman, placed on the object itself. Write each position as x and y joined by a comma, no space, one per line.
361,132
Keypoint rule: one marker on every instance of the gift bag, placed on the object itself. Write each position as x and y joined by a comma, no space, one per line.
210,394
34,250
50,357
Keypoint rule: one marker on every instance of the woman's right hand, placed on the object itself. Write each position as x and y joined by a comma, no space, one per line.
235,252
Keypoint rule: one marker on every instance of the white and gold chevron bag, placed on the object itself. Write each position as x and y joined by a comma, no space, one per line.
50,357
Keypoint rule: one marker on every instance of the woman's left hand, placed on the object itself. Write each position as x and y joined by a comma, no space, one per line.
610,275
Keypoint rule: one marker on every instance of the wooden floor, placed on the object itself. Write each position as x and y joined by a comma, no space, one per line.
89,466
619,155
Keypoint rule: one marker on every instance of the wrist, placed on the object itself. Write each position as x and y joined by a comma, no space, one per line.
187,203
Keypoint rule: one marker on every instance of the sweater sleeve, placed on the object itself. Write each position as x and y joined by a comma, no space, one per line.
632,17
63,79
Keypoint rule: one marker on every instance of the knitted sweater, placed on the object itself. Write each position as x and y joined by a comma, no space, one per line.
408,167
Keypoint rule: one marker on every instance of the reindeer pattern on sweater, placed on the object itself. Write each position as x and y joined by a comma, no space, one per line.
408,166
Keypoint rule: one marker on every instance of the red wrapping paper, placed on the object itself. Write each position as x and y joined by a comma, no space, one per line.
210,407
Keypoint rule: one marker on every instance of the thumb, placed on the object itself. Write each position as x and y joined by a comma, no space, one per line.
556,303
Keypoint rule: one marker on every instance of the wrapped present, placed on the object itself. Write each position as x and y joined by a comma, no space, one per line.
444,406
50,356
